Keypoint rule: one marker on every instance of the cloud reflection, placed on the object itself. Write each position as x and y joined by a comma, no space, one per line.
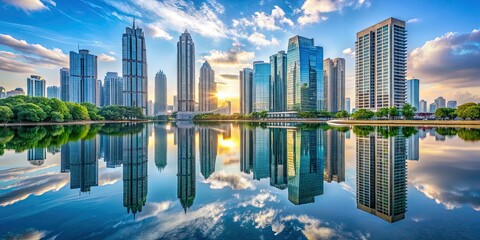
235,181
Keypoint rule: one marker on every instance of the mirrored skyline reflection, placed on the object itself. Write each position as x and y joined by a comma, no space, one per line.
228,180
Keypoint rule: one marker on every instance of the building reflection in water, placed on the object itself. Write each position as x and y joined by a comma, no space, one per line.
112,150
413,147
278,161
186,164
135,162
334,156
246,149
381,175
261,153
81,160
37,156
160,131
208,150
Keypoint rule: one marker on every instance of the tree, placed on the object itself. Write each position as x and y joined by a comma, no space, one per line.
342,114
408,111
112,112
362,114
263,114
78,112
28,112
6,114
472,112
383,112
461,109
93,111
444,113
393,112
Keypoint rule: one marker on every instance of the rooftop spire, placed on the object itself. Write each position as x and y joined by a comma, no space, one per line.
186,30
133,22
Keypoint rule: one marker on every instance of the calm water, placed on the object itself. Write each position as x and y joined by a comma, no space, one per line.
228,181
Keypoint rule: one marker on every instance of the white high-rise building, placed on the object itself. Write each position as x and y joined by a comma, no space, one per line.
36,86
347,105
422,106
207,89
112,89
83,77
246,91
186,73
440,102
160,92
452,104
334,84
380,65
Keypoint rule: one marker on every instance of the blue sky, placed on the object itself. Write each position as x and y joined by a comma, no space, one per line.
36,36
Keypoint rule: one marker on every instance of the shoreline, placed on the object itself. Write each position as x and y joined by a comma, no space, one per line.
75,123
413,123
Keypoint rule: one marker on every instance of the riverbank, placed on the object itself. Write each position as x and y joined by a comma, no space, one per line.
414,123
76,123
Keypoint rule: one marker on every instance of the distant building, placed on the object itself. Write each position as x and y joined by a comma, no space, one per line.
347,105
261,86
3,93
83,77
99,93
53,92
15,92
36,86
304,75
175,103
112,89
432,108
413,93
186,73
246,91
334,84
207,89
440,102
150,108
64,84
381,83
452,104
278,82
160,92
422,106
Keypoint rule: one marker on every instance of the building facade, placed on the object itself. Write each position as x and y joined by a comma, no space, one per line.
413,93
432,108
304,75
261,86
246,91
64,84
380,65
112,89
422,106
347,105
440,102
15,92
53,92
134,64
160,92
278,82
334,84
207,89
452,104
83,77
186,73
36,86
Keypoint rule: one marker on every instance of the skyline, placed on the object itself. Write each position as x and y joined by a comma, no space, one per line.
231,36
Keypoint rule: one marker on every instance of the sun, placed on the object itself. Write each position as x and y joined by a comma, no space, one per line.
222,95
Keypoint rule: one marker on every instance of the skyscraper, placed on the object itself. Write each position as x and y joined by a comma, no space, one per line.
186,73
112,89
208,150
347,105
53,92
186,166
452,104
413,93
334,84
3,93
278,158
261,153
440,102
422,106
278,82
64,84
175,103
380,65
83,77
134,63
99,94
207,89
432,107
83,164
36,86
261,86
304,75
246,91
160,92
334,156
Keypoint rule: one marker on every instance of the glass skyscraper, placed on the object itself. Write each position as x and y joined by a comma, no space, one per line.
64,84
36,86
83,77
246,91
413,93
304,75
261,86
207,89
380,65
160,92
134,63
334,84
53,92
186,73
278,82
112,89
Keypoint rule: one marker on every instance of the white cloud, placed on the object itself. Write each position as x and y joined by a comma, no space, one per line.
234,57
259,39
260,199
349,52
261,20
264,218
314,10
9,63
105,58
235,181
413,20
29,5
157,32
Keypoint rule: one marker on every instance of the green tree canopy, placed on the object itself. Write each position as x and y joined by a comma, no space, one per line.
362,114
408,111
93,111
462,108
382,112
28,112
342,114
393,112
6,114
444,113
77,111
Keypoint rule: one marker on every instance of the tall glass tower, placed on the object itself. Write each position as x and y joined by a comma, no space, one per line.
186,73
207,88
246,90
160,92
134,63
36,86
334,84
413,93
261,86
64,84
83,77
380,65
304,75
278,80
112,89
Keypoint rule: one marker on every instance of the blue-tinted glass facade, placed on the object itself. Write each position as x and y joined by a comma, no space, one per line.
278,87
413,92
261,86
304,75
83,77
